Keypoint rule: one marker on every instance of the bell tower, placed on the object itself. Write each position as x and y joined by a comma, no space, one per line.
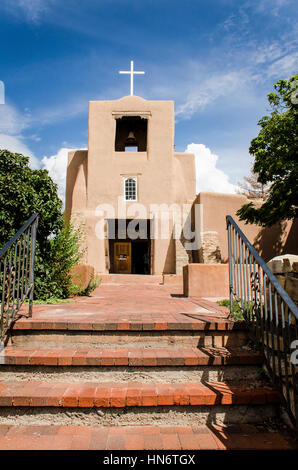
130,137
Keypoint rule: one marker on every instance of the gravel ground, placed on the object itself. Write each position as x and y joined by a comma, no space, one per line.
124,374
164,415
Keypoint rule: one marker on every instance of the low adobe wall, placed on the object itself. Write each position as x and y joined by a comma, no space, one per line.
206,280
81,275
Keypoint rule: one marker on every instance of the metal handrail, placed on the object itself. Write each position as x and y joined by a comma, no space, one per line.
265,268
270,312
17,274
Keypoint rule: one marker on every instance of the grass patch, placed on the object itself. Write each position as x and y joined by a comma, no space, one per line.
50,301
237,314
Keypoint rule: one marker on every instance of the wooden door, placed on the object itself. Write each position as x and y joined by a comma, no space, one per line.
122,257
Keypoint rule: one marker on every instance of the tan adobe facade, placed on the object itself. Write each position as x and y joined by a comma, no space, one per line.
130,161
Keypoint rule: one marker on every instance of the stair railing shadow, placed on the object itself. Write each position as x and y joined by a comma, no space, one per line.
227,436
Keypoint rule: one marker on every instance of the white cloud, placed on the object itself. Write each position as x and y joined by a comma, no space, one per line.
11,125
57,113
238,84
34,137
11,120
209,90
208,177
56,166
271,6
284,66
240,64
15,144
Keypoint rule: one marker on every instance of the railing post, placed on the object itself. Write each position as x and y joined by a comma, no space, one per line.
32,260
230,265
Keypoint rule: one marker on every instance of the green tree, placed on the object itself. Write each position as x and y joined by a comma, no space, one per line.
24,191
275,151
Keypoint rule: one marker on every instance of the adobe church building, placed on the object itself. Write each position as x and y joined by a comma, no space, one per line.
129,169
130,158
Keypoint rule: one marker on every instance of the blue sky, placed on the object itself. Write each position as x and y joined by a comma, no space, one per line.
217,59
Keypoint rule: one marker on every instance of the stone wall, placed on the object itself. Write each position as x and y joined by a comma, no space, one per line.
182,257
209,253
285,269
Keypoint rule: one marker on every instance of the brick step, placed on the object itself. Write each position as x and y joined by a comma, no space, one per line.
134,357
84,322
53,437
128,339
110,395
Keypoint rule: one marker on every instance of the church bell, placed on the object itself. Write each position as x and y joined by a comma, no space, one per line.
131,138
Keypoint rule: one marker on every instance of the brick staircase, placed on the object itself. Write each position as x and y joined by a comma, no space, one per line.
135,367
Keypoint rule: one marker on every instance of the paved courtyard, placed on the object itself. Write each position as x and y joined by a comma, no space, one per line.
133,299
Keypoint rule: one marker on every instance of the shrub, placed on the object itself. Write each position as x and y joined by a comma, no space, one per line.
24,191
53,273
92,285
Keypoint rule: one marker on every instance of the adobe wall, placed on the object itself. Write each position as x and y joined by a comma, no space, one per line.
206,280
184,178
76,183
269,241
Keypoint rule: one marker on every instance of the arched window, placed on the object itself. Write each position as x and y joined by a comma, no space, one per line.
130,189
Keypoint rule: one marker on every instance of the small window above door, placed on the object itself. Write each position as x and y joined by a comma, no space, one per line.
130,189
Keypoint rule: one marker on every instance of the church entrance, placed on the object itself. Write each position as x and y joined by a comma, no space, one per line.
140,257
126,255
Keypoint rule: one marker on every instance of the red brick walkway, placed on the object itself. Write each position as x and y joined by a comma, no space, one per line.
236,437
130,304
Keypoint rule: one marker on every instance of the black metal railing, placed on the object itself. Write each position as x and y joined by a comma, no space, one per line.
271,314
17,274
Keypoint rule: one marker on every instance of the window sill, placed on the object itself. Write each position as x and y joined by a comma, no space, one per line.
132,154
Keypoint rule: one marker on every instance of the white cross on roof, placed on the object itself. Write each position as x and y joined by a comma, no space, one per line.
131,72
